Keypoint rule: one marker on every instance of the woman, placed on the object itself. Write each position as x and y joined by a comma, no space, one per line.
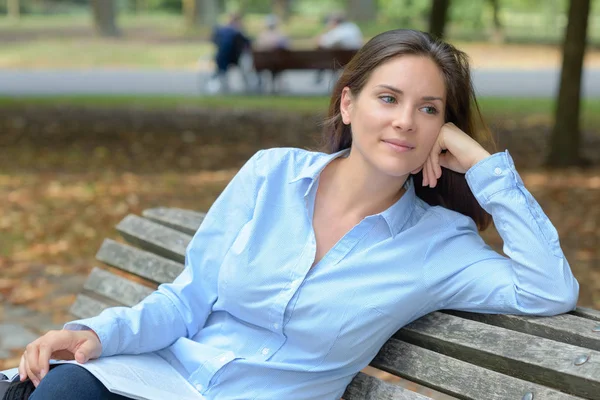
308,262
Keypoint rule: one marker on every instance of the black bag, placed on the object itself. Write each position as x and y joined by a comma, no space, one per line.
15,390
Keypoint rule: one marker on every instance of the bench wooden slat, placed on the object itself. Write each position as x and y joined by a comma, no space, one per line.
116,288
282,59
564,328
154,237
364,387
587,313
455,377
139,262
185,221
469,356
87,307
529,357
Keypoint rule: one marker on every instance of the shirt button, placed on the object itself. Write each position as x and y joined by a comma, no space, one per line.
199,387
498,171
223,359
275,325
265,351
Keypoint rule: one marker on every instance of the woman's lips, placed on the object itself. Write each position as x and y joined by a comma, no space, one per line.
399,148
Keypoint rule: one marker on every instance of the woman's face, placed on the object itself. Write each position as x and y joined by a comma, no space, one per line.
397,116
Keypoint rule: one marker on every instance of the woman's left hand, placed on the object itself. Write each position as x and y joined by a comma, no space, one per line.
462,152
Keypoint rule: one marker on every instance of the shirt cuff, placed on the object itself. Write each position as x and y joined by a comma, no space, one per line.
491,175
99,328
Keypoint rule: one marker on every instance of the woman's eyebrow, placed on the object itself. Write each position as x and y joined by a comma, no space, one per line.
400,92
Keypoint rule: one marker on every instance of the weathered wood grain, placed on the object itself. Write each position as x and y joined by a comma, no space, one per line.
116,288
528,357
87,307
364,387
564,328
139,262
185,221
156,238
455,377
587,313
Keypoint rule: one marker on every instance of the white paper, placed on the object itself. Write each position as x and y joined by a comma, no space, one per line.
11,373
143,376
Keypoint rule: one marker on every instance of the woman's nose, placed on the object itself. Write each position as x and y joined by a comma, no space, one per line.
404,119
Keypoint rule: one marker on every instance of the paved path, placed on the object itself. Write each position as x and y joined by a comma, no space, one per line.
488,82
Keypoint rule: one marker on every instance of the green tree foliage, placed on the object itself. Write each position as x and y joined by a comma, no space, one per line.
406,13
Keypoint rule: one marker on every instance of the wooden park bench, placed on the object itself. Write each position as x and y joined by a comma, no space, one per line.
280,60
464,355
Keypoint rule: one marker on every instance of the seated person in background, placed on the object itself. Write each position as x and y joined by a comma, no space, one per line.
231,42
271,38
341,34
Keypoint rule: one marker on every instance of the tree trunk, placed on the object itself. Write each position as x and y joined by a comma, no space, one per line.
282,8
139,6
13,8
105,13
209,12
200,12
438,17
498,28
191,12
565,138
362,10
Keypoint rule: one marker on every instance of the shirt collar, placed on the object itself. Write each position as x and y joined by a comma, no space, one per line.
398,213
395,216
313,170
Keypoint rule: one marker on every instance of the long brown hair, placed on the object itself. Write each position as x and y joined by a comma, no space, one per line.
452,190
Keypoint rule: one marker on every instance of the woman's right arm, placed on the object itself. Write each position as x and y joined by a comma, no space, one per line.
181,308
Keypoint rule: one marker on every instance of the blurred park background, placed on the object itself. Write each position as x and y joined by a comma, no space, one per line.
102,114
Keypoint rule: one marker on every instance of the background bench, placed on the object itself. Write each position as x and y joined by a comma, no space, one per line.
279,60
464,355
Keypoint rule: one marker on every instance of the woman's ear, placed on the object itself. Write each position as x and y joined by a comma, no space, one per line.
346,105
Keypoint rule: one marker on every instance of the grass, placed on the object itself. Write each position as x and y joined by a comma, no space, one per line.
95,53
492,107
162,40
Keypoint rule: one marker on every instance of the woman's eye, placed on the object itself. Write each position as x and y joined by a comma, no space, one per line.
430,110
388,99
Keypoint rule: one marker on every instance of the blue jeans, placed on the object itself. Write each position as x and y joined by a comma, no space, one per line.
71,382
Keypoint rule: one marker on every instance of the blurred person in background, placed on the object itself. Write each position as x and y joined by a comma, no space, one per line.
271,37
231,43
339,34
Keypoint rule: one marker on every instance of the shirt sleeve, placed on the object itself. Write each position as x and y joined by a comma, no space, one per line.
181,308
535,278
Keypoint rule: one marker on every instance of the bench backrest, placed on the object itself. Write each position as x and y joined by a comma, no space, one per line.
469,356
281,59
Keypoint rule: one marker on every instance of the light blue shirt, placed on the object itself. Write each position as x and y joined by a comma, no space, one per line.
249,319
